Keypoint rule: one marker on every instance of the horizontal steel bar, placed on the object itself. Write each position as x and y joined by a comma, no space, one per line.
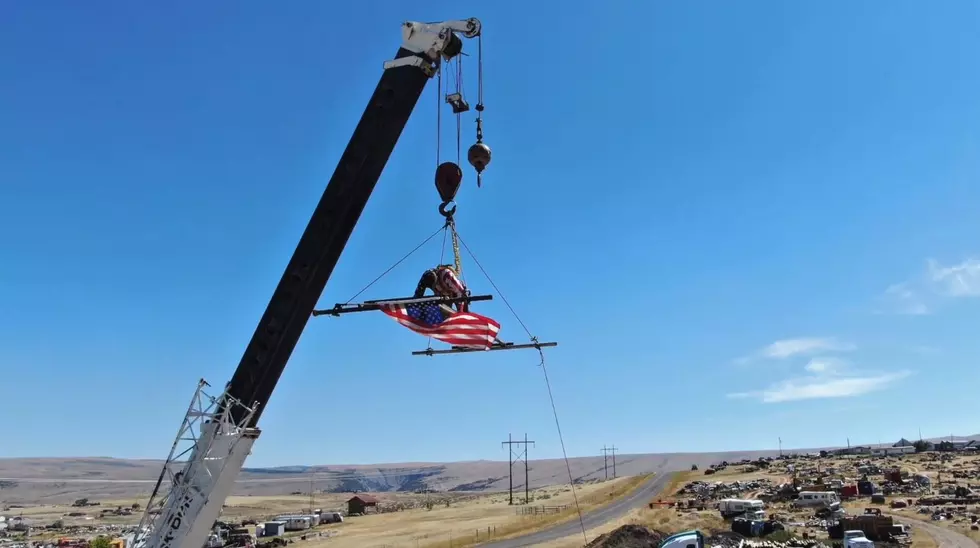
367,306
463,350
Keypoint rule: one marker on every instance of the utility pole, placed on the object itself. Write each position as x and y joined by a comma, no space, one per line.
606,451
312,501
613,449
520,455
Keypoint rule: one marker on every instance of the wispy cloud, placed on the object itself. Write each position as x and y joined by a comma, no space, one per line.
825,366
961,280
825,377
939,283
901,299
804,346
822,386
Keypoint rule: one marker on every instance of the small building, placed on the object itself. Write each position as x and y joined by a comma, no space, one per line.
273,528
900,450
358,504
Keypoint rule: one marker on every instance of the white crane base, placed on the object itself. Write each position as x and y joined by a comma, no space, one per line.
199,474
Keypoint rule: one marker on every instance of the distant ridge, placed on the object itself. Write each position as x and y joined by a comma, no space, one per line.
56,480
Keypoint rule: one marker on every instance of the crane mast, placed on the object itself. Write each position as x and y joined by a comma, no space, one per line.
218,432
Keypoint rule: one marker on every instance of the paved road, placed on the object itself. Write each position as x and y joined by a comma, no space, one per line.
617,509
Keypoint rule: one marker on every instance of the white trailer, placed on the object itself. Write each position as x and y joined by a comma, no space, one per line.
816,498
296,523
750,508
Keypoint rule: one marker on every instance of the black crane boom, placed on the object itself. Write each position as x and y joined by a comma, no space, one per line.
328,231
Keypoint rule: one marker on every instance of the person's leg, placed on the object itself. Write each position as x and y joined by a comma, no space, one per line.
454,287
427,281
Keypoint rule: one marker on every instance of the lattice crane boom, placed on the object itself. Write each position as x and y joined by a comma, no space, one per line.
217,433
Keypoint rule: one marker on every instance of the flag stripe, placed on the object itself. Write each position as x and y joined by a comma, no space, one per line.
465,329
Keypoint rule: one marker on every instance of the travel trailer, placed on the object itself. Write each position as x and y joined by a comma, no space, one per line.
816,498
748,508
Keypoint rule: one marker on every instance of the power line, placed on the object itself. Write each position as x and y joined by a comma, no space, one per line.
521,455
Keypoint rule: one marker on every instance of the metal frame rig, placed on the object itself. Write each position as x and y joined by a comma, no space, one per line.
228,423
209,443
367,306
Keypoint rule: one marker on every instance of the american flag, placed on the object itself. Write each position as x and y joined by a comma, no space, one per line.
456,328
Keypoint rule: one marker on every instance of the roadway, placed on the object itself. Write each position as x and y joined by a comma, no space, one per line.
614,510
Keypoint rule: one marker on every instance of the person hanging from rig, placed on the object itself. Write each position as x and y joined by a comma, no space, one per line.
444,282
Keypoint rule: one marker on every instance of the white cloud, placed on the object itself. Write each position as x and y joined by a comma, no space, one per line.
822,386
921,295
787,348
962,280
903,300
825,366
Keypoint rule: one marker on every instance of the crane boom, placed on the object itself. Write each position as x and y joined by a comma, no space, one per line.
219,431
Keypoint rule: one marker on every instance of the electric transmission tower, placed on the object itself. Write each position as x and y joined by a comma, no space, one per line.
520,454
606,451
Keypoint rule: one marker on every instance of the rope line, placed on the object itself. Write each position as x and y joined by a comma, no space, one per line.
561,439
392,267
547,381
495,288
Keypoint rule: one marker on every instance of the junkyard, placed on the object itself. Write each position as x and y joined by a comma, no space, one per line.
883,493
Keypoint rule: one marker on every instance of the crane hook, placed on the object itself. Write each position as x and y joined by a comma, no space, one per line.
447,212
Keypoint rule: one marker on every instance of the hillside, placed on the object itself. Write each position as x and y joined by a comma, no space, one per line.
50,480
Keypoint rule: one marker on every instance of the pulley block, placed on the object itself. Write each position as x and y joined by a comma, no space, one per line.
449,177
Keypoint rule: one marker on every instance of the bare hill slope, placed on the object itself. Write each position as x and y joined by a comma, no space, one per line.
50,480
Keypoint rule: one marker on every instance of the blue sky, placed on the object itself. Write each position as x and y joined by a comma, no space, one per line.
742,221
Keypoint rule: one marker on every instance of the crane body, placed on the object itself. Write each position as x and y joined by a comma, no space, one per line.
218,432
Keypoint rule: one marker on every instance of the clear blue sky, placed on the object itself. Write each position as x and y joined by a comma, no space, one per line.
675,188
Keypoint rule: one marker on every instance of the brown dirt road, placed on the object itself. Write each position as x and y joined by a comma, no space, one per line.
944,537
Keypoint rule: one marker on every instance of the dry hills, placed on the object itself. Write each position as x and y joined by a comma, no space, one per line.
59,480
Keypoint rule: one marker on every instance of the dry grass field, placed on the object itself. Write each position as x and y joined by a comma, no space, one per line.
462,519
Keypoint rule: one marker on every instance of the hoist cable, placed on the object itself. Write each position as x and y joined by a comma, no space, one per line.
479,75
438,115
459,117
